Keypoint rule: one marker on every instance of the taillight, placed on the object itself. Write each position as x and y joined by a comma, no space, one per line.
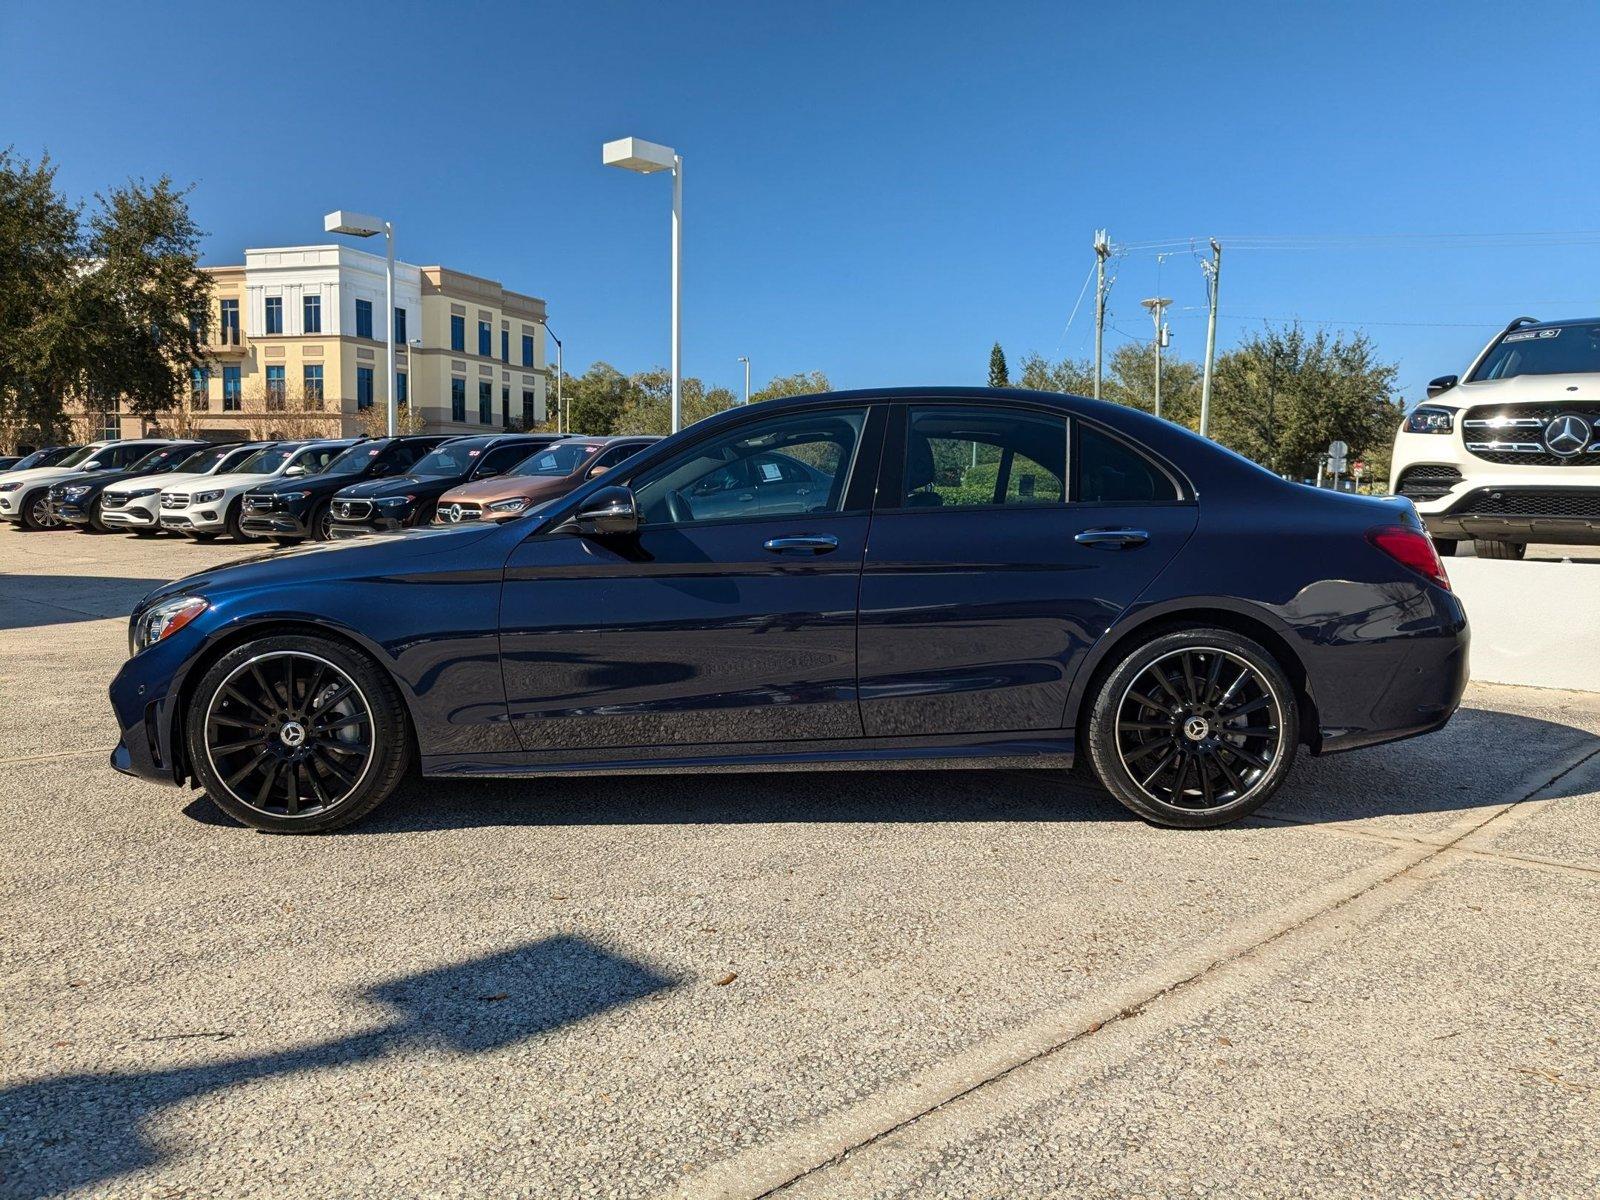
1410,548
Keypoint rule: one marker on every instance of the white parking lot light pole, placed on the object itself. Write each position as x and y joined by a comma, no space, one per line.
561,413
745,359
647,158
363,225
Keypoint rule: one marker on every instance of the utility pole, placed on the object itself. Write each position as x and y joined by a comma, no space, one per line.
1213,271
1102,251
1156,305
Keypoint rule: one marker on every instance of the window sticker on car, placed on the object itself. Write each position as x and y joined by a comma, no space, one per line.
770,472
474,453
1528,335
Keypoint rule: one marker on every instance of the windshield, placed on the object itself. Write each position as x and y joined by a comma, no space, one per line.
452,458
1563,350
202,461
266,462
39,458
556,461
164,459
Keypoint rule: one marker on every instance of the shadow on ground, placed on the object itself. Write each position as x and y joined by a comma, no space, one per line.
27,601
1420,776
80,1130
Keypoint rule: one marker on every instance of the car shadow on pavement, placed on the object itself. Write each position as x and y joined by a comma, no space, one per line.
27,601
1427,774
76,1131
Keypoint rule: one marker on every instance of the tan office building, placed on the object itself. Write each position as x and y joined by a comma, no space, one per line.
297,349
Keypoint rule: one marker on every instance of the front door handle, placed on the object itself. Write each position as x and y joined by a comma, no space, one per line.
808,544
1112,539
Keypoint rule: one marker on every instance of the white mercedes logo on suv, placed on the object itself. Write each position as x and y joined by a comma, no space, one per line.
1567,435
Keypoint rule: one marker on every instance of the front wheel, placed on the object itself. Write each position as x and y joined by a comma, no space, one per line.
1195,728
1485,549
293,734
37,513
321,522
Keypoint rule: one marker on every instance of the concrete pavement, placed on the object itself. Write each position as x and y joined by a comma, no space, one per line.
942,983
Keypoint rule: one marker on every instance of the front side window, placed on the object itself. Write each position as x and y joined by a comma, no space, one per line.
277,387
312,379
317,459
232,389
274,314
450,460
363,387
458,334
794,464
502,458
312,314
485,402
458,399
983,457
1112,472
363,318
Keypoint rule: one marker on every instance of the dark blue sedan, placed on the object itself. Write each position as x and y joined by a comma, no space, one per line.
856,579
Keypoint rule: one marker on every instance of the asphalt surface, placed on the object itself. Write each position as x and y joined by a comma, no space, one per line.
913,984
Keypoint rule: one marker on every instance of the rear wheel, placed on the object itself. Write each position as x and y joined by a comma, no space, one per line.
1487,549
294,734
1445,546
1195,728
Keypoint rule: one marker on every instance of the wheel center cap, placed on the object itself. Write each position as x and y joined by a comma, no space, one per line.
293,734
1196,728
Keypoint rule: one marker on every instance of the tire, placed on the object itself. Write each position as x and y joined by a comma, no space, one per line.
321,523
1445,546
285,542
96,525
275,733
35,511
203,536
236,522
1484,549
143,533
1216,680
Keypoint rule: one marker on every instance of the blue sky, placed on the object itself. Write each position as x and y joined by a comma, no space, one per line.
878,191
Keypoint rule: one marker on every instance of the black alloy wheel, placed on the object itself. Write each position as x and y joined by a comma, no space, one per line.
322,522
1194,729
236,529
297,734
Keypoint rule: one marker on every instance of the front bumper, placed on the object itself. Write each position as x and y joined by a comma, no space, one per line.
1557,510
340,530
192,520
131,516
274,523
72,513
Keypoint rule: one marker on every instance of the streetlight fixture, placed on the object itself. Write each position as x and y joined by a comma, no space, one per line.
745,359
647,158
561,413
364,225
1156,304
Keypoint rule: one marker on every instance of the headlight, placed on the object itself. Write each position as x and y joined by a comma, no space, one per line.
1427,419
9,487
509,506
74,493
205,497
286,497
163,620
394,501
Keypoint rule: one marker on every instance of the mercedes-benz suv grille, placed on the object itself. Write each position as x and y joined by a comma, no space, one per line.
352,510
1514,434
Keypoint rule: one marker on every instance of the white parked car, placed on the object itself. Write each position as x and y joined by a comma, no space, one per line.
25,495
1510,453
206,507
136,505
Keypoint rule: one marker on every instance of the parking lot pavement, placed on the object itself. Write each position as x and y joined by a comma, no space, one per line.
918,983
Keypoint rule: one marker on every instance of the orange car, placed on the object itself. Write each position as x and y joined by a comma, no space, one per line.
545,475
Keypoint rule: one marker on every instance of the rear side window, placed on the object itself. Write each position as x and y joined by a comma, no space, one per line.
983,457
1112,472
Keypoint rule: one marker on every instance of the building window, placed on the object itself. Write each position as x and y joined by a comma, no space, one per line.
364,318
312,311
505,408
232,385
402,393
197,324
458,399
277,389
527,409
527,349
274,314
109,425
230,322
364,384
485,402
505,345
313,384
485,339
200,388
458,334
400,326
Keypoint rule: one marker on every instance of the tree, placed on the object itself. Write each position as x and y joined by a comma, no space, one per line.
999,375
596,399
1131,380
803,383
1282,396
1068,375
650,409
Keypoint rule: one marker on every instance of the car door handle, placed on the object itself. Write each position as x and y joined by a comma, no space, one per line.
820,544
1112,539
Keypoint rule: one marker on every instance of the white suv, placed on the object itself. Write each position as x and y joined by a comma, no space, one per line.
1510,454
136,505
205,507
25,495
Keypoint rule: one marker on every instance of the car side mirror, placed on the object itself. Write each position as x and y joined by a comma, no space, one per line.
297,469
610,512
92,465
1442,384
597,471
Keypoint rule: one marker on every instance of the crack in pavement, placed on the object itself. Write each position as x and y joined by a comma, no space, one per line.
830,1140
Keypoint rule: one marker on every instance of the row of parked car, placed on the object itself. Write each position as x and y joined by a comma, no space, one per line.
292,491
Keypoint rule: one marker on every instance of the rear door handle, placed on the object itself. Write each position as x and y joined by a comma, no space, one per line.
1112,539
808,544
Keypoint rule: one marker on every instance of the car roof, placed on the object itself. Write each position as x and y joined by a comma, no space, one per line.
1563,323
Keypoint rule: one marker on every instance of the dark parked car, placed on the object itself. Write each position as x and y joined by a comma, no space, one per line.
26,494
75,500
7,461
44,456
1047,577
412,498
292,510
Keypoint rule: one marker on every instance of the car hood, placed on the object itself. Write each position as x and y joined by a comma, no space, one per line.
1554,390
506,487
164,482
36,474
395,485
277,484
79,476
205,483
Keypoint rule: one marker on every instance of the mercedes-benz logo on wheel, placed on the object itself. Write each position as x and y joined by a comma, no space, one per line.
453,513
1567,435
